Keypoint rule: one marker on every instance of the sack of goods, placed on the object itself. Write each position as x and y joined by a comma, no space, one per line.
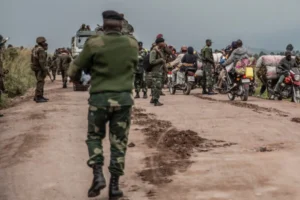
199,73
271,72
269,60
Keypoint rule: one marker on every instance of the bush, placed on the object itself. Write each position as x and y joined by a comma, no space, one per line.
20,76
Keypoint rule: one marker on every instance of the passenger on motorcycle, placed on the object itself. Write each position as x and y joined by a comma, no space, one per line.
285,65
189,59
238,54
176,63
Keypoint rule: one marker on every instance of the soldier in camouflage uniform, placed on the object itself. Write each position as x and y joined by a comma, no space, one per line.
139,81
208,67
110,99
38,65
64,63
158,62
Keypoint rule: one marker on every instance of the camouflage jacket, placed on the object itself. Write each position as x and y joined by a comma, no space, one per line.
111,76
157,60
142,55
64,61
207,55
38,59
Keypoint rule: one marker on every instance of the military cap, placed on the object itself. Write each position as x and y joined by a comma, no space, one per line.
40,39
111,14
159,36
289,47
208,40
140,43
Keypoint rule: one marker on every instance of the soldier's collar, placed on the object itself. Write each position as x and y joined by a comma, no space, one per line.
112,33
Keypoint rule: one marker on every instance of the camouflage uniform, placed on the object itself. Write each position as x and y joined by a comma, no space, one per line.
208,65
38,65
139,80
111,97
157,61
64,62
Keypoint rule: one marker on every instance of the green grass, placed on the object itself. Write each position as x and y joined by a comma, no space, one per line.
20,77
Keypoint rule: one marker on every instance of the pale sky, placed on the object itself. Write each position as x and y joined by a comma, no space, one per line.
268,24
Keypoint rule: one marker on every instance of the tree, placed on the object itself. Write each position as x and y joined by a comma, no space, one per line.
262,54
256,56
272,53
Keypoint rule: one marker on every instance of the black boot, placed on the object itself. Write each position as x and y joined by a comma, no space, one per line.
40,100
137,96
114,191
99,182
145,96
204,91
65,85
157,103
45,98
151,101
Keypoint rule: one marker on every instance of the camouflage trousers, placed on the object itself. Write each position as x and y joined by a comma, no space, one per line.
40,82
53,71
148,79
140,83
64,75
207,76
119,118
156,85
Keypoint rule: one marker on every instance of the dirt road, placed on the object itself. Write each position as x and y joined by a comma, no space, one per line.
192,148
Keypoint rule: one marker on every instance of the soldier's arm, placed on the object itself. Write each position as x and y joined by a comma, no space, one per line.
82,62
42,57
153,58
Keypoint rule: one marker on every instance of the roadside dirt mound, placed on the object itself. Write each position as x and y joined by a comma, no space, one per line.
253,107
174,147
296,119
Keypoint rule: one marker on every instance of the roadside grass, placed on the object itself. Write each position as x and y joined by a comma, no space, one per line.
19,78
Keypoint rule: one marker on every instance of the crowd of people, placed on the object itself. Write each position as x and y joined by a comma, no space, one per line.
111,82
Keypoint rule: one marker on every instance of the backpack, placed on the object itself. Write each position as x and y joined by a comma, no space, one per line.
146,63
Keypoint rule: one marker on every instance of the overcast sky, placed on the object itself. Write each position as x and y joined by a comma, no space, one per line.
269,24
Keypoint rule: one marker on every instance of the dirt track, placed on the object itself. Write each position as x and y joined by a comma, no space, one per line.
193,148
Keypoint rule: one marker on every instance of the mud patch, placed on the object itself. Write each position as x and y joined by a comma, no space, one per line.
253,107
296,119
17,149
271,147
174,147
37,116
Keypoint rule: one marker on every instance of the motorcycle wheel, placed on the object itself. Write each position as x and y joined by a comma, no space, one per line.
231,96
245,94
172,89
296,95
188,88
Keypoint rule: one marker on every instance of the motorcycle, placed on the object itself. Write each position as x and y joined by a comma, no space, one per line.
289,88
169,76
186,81
239,84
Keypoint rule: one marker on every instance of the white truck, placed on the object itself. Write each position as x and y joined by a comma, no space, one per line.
78,41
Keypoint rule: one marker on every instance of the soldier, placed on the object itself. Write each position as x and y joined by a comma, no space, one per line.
208,67
110,99
139,81
127,29
38,63
158,62
64,62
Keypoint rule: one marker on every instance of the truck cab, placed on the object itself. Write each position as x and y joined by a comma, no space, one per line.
79,40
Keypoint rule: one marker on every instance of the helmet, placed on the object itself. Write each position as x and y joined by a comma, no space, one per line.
184,48
40,39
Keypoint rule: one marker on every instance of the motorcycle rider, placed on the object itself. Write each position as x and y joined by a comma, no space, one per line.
139,81
238,54
285,66
177,62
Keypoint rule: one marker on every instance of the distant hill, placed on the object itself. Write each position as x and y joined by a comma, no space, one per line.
258,50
